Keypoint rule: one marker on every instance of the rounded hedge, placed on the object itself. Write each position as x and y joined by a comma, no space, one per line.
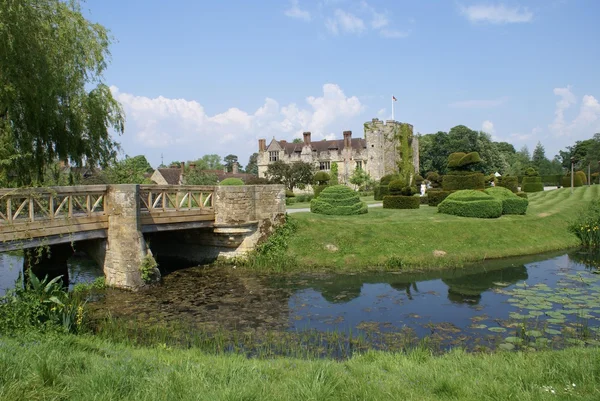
380,191
386,179
401,202
510,182
395,187
321,178
532,184
469,203
460,159
232,181
582,175
434,198
338,200
511,203
577,181
434,178
317,189
454,182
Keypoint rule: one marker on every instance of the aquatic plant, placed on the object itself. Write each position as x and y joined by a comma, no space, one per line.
587,225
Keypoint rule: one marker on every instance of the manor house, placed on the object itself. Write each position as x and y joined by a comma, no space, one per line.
378,153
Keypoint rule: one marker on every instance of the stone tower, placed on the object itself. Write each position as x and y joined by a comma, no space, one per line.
390,145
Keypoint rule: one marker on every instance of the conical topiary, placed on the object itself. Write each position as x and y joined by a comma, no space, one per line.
338,200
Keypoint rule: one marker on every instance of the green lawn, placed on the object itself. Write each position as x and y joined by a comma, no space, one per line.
64,367
306,205
409,238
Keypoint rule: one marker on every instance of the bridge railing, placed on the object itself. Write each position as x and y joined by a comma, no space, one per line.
168,198
30,205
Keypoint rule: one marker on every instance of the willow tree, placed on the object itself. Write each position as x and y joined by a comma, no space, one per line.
54,104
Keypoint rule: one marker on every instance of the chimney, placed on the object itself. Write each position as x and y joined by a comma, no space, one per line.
192,166
262,145
235,168
306,138
347,139
182,167
283,142
225,169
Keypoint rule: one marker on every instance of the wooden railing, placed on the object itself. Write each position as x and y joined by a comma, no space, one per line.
167,198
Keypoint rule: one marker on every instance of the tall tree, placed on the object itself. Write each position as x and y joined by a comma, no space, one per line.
229,160
539,156
291,175
297,140
252,167
53,102
130,170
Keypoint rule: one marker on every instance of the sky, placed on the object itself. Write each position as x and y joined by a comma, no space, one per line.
197,77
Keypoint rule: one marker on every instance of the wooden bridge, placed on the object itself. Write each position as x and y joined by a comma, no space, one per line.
46,216
112,223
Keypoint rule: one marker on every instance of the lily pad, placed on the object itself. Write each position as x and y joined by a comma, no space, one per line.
506,346
534,333
497,329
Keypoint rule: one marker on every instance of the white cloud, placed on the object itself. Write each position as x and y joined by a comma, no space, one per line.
488,127
167,124
586,122
296,12
496,14
479,104
589,112
345,22
567,99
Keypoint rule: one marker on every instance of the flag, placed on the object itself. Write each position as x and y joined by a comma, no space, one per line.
394,98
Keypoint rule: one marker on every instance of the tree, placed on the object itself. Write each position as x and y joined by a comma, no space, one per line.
297,140
131,170
360,178
539,156
290,175
334,174
53,102
252,167
229,161
194,176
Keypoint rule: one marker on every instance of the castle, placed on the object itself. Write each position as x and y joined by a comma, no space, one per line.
383,149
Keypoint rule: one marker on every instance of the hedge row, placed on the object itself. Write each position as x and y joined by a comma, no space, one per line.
338,200
511,203
380,192
401,202
470,203
510,182
434,198
532,184
453,182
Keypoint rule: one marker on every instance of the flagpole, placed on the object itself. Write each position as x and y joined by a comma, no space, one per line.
393,108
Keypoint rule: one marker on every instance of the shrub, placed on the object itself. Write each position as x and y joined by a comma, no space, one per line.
453,182
395,187
434,178
318,189
577,181
469,203
455,158
256,181
583,177
366,193
595,177
401,202
521,195
231,181
386,179
511,203
434,198
380,192
304,198
460,160
531,172
290,201
510,182
338,200
552,180
418,180
321,178
587,226
532,184
289,193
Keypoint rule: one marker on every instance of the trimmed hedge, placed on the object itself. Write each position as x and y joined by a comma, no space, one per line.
380,192
401,202
510,182
317,189
552,180
453,182
434,198
321,178
582,175
232,181
338,200
395,187
521,195
532,184
289,194
386,179
511,203
469,203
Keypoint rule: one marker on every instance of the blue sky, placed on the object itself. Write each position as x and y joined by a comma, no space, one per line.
198,77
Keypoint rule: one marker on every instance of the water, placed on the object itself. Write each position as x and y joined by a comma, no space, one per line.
502,303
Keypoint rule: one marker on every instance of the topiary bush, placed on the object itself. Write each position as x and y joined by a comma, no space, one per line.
510,182
532,183
434,198
380,192
321,178
454,182
531,172
395,187
318,189
232,181
470,203
521,195
583,177
434,179
338,200
401,202
386,179
511,203
418,180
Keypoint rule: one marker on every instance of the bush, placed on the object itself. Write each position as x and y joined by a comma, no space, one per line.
587,225
418,180
532,184
386,179
434,198
531,172
511,203
455,158
289,194
256,181
232,181
552,180
460,160
290,201
321,178
583,177
453,182
401,202
304,198
395,187
366,193
510,182
577,181
338,200
469,203
318,189
380,192
521,195
434,178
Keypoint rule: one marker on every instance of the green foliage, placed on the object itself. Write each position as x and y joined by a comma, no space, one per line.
453,182
252,166
53,102
318,189
131,170
360,178
531,172
586,226
509,182
96,285
195,176
301,198
552,180
462,161
334,174
522,195
257,181
434,178
577,182
532,183
291,175
289,193
40,304
321,178
380,191
511,203
582,176
229,161
401,202
386,179
148,268
418,180
395,187
231,181
338,200
470,203
273,250
434,198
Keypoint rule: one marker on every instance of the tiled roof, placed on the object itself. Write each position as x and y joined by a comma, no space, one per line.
171,175
323,146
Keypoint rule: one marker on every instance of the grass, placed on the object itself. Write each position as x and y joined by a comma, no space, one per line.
415,239
66,367
306,205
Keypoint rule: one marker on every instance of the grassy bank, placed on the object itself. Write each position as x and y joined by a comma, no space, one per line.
68,367
426,239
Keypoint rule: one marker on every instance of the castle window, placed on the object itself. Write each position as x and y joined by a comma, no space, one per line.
359,164
273,156
324,166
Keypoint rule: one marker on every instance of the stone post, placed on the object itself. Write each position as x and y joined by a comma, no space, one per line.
126,251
